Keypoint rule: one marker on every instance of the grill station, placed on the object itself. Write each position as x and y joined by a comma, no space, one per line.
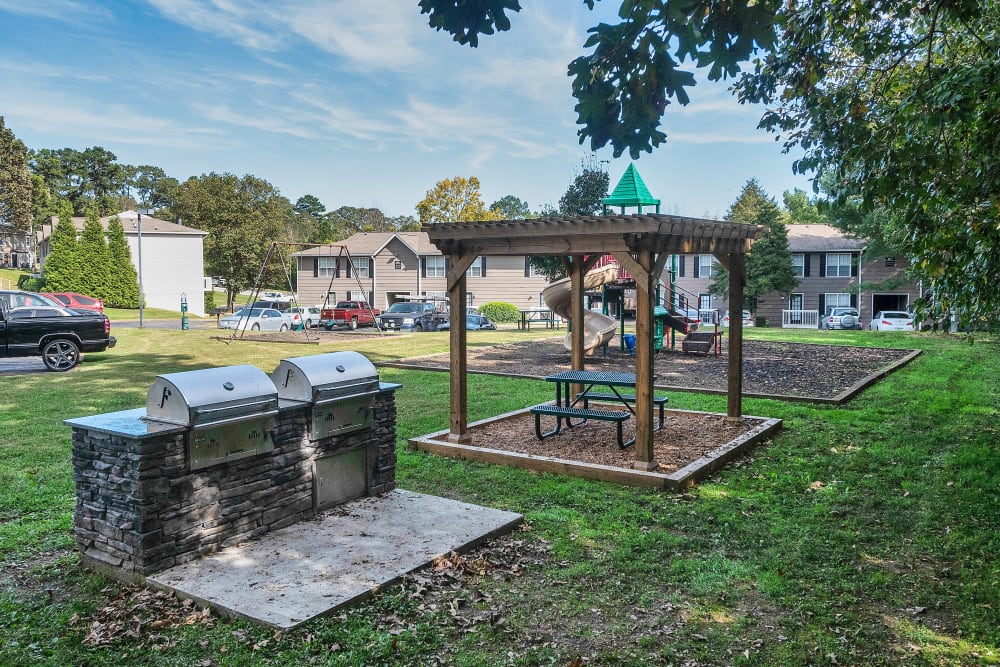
222,456
229,411
340,386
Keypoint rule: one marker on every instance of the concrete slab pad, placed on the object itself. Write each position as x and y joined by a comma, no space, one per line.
290,576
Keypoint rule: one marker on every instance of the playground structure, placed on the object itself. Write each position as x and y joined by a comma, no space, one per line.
598,328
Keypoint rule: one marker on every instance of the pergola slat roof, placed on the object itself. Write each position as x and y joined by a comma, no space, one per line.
641,242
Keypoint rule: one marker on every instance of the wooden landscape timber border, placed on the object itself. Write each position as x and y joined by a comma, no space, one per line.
838,399
436,443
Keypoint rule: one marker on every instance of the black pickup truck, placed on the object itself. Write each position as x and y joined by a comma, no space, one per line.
32,325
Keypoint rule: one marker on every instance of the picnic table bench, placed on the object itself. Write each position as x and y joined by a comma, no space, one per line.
565,406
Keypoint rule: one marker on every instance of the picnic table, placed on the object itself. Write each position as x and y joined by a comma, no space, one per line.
565,406
539,315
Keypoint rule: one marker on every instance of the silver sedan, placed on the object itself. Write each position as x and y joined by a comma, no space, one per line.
257,319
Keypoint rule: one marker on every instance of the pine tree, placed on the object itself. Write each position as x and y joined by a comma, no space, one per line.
769,263
95,259
124,279
63,270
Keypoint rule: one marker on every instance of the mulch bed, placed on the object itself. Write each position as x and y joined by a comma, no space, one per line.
686,437
793,370
775,369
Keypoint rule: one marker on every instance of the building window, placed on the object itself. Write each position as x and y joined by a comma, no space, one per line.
397,265
435,267
326,267
837,300
363,266
704,302
704,266
799,265
890,262
476,268
357,295
838,265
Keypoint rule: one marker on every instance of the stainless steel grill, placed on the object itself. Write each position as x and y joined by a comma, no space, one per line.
341,386
230,411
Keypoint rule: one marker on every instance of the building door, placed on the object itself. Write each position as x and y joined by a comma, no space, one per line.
795,306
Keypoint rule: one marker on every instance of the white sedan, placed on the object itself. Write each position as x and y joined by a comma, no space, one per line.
892,320
257,319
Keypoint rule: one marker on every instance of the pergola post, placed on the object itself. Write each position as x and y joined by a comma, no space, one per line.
576,312
459,362
734,371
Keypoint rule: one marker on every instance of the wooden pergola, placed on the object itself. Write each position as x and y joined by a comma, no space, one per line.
641,243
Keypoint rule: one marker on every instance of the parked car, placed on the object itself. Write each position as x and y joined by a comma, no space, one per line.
257,319
473,322
276,304
747,319
34,325
892,320
309,315
76,301
414,316
840,317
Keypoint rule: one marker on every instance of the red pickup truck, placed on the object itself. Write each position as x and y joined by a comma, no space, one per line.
352,314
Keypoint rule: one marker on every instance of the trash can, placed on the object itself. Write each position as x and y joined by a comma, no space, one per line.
630,344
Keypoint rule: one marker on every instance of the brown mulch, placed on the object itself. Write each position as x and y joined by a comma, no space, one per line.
686,437
771,368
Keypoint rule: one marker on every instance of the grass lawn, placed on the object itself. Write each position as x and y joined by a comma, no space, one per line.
864,534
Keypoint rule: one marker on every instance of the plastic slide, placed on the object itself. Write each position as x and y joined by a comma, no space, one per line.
598,329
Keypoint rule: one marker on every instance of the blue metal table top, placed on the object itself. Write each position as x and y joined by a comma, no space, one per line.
595,377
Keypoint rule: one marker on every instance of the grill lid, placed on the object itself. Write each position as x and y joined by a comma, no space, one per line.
321,378
211,396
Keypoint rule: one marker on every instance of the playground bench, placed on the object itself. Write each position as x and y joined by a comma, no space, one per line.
582,414
658,401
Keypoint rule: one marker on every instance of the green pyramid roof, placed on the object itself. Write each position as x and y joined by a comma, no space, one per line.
631,191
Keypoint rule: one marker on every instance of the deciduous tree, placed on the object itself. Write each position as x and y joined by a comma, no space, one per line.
454,200
243,217
897,98
582,197
511,208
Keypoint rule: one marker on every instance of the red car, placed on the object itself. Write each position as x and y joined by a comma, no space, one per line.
76,301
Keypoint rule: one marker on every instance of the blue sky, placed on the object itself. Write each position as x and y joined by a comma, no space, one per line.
357,102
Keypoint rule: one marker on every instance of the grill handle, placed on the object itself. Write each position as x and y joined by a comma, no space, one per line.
208,412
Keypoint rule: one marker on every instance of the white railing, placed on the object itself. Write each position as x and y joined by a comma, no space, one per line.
800,319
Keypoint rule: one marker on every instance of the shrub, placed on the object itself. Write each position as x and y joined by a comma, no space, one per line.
500,311
31,283
209,300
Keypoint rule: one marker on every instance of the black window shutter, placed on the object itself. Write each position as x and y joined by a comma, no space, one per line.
697,267
822,265
854,299
483,266
805,265
680,267
315,267
336,268
527,267
822,304
423,267
855,261
447,265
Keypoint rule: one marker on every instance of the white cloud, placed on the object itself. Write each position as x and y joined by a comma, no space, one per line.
233,21
69,11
